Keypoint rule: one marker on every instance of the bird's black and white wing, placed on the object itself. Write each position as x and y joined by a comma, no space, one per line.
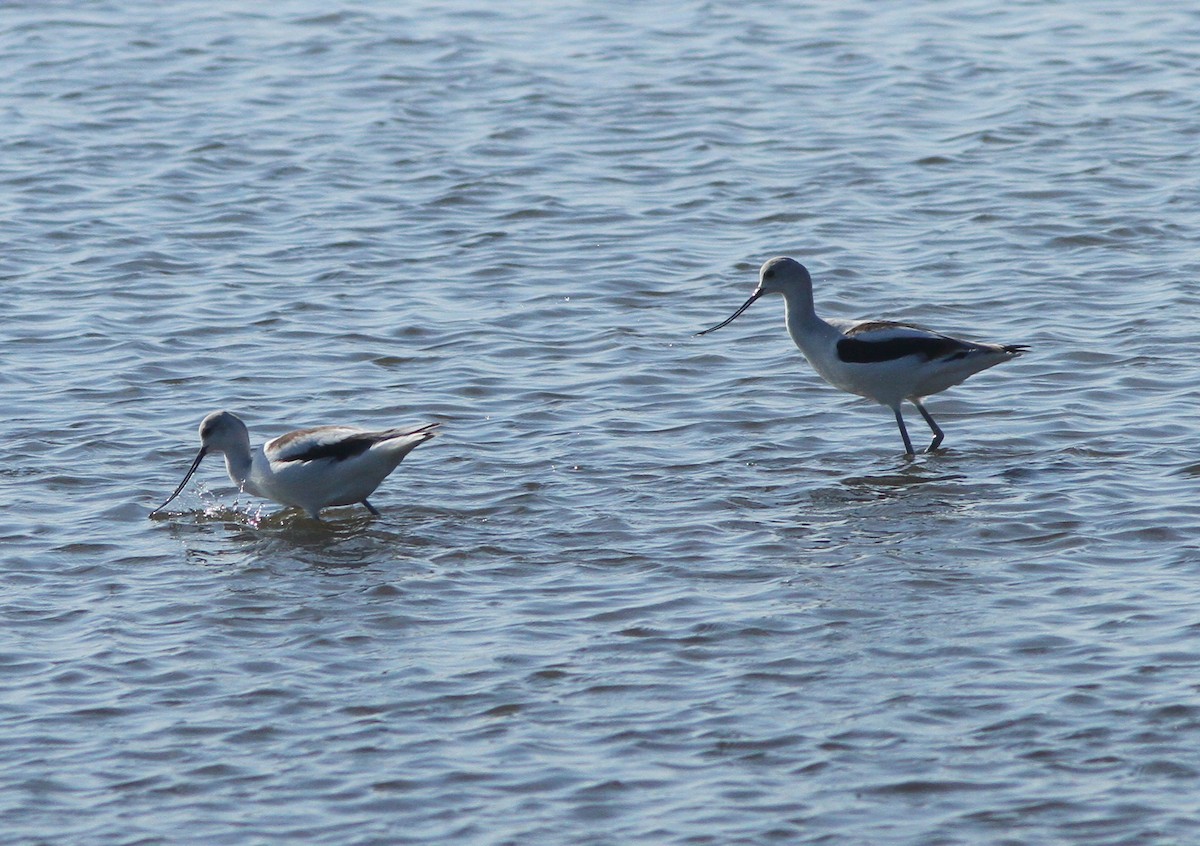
878,341
333,442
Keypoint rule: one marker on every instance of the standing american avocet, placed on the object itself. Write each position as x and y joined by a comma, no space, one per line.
883,361
308,468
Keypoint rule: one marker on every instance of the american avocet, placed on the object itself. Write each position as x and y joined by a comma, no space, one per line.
308,468
880,360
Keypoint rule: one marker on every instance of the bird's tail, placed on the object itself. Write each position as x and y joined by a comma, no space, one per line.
404,441
1015,349
426,430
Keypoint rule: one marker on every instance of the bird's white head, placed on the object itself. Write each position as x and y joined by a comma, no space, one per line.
780,275
222,431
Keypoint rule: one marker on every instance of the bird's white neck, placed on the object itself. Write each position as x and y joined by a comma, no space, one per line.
803,324
237,464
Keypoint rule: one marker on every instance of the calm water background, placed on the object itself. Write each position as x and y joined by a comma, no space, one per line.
646,588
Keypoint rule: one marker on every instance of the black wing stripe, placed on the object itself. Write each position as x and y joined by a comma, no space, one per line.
855,351
337,450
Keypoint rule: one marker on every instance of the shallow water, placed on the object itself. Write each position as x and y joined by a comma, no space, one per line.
645,587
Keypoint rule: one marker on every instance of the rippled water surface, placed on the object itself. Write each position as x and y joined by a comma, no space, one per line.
645,587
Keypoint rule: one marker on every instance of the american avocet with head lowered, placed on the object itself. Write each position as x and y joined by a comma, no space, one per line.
308,468
883,361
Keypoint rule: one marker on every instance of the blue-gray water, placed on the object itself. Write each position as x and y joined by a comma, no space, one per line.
646,588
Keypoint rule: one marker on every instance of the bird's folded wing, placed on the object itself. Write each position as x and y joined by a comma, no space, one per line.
878,341
336,442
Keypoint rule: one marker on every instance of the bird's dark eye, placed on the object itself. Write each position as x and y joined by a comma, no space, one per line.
770,274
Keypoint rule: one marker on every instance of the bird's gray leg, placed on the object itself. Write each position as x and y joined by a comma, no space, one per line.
903,431
938,434
371,508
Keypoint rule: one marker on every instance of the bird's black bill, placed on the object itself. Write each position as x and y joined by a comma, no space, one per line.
199,457
735,315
